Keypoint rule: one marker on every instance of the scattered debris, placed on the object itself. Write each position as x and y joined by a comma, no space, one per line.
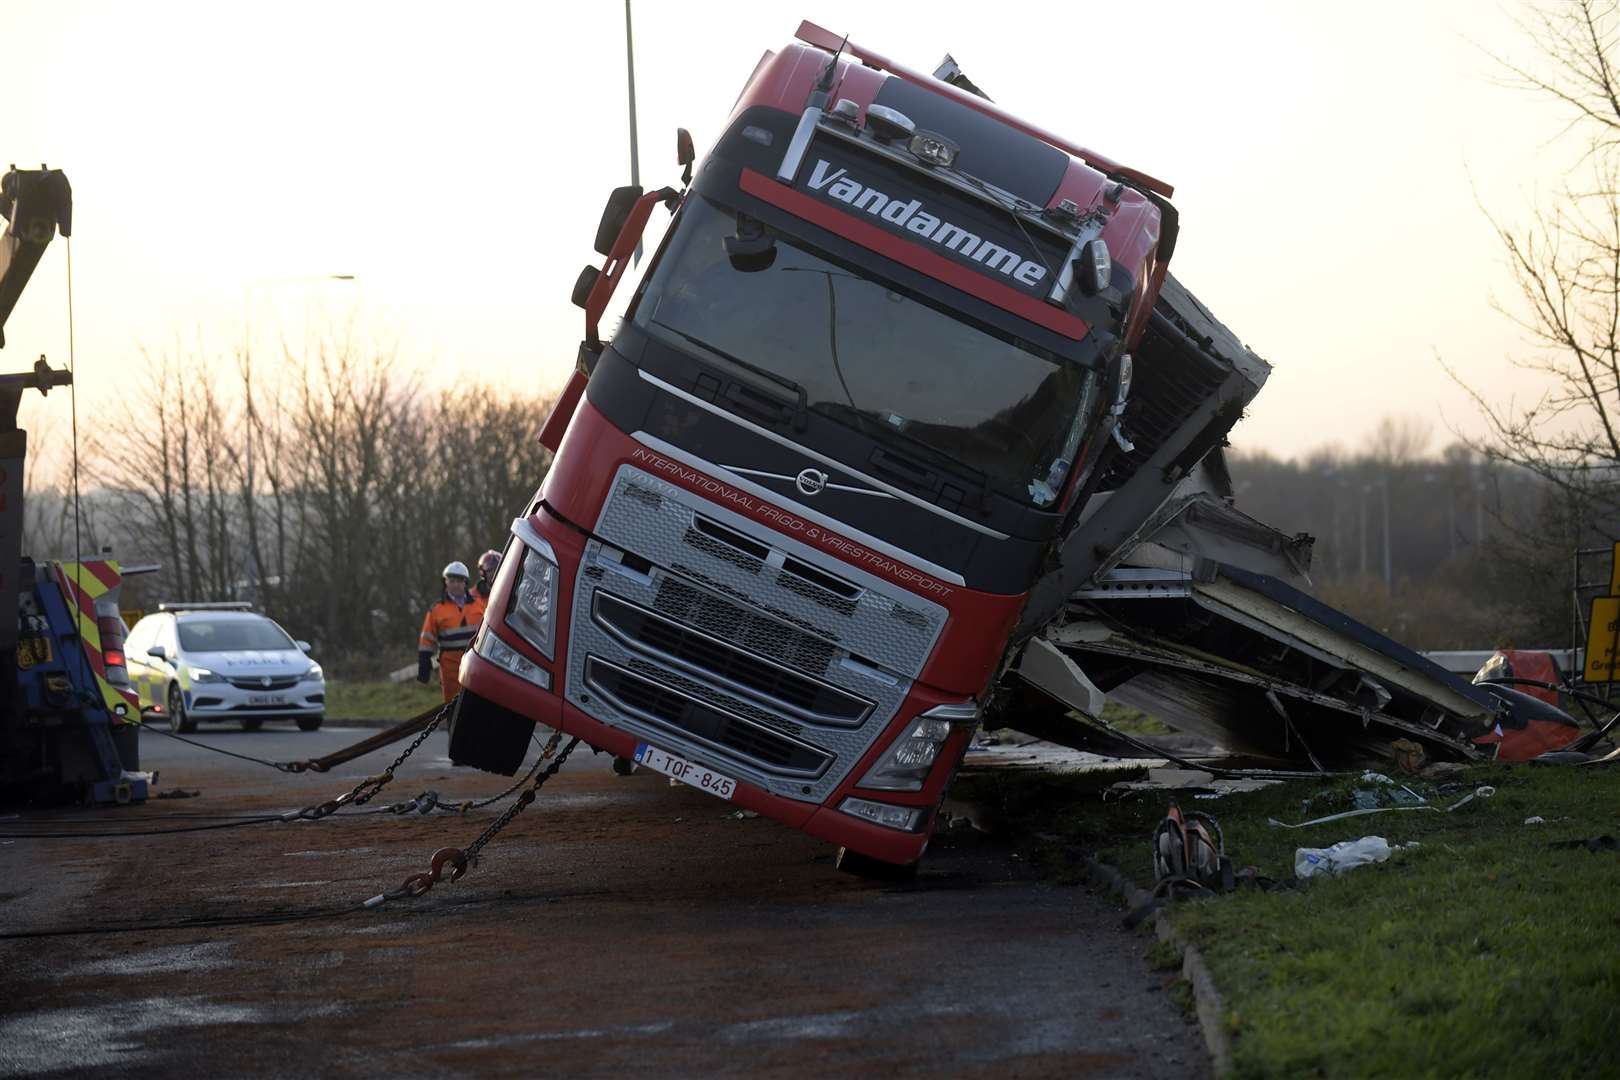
1593,844
1345,855
1537,820
177,793
1410,757
744,815
1203,784
1477,793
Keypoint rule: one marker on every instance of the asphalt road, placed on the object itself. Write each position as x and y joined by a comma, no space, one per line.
619,925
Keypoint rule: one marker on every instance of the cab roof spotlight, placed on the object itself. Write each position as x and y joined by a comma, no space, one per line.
889,124
931,149
1094,268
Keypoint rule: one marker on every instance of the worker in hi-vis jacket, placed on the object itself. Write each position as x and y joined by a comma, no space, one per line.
449,627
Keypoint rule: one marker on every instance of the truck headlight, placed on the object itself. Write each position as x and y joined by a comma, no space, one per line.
202,674
506,658
905,764
533,608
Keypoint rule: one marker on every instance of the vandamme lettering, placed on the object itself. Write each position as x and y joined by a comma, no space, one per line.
910,215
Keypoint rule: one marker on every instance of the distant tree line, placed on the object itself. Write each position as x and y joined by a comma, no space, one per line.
1451,550
329,489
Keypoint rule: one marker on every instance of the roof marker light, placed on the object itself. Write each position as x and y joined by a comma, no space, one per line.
846,110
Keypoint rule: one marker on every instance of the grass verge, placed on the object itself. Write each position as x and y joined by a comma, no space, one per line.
378,700
1484,951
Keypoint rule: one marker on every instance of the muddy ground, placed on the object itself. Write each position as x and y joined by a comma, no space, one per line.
620,925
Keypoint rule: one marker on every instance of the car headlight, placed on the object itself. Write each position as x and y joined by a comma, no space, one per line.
905,764
315,672
532,611
202,674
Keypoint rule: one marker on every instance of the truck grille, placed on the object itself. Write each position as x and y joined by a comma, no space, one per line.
710,613
699,720
713,636
709,655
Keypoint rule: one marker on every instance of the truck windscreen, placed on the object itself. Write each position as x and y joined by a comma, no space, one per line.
878,359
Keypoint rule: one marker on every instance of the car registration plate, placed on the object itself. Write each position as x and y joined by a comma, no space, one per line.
267,699
685,771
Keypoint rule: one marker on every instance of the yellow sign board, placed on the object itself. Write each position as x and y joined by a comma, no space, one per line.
131,616
1602,637
1614,571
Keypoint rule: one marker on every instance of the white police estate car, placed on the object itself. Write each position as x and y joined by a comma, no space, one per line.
194,662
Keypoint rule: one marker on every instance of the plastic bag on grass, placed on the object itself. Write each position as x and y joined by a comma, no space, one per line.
1345,855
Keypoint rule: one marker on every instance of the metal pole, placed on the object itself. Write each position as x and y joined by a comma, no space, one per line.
630,68
1388,584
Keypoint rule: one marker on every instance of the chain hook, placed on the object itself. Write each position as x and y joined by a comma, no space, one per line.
455,858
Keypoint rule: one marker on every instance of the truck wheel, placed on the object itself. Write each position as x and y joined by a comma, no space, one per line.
864,866
252,723
178,720
310,723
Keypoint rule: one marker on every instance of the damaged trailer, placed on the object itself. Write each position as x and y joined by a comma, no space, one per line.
1197,617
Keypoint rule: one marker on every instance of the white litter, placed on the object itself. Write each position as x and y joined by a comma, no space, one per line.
1345,855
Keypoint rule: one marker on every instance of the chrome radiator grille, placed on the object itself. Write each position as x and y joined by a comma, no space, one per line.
717,639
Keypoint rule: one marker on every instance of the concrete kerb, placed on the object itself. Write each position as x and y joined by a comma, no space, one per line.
1206,999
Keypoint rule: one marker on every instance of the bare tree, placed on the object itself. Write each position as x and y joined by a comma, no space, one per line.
1566,268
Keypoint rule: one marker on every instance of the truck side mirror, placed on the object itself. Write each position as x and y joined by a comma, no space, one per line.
583,286
684,154
158,651
614,215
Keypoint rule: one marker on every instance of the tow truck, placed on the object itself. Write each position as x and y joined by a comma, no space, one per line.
69,724
907,426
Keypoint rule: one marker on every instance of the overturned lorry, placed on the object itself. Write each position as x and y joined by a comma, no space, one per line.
907,420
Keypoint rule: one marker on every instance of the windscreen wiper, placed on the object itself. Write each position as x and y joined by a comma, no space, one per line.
801,404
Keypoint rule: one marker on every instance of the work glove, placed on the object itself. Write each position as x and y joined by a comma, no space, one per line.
424,667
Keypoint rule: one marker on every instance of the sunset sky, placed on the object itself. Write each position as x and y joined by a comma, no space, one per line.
1330,163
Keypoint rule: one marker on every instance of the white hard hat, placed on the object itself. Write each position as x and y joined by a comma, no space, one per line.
456,569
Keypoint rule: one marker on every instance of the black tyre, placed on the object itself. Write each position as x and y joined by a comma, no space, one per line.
178,720
864,866
310,723
252,723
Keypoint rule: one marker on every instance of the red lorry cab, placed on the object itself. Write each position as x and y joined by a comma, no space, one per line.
869,379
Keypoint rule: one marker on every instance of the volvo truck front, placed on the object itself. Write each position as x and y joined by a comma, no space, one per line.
861,397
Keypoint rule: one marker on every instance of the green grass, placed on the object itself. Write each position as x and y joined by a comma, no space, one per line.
379,700
1482,952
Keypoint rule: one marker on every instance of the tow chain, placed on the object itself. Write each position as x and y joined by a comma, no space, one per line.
452,863
367,789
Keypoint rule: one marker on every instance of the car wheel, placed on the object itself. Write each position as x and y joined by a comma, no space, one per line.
864,866
178,720
310,723
252,723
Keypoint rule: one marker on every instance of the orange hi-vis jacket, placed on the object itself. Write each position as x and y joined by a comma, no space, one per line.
450,629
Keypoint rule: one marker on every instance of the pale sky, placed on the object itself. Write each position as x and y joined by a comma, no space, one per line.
227,158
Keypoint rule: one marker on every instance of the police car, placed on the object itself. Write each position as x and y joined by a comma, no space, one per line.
197,662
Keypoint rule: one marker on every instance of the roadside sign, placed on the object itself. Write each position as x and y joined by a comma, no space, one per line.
131,615
1602,635
1614,571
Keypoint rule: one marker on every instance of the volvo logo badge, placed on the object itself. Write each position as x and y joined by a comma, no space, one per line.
810,481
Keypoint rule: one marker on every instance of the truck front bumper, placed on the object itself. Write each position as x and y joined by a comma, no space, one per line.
825,822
